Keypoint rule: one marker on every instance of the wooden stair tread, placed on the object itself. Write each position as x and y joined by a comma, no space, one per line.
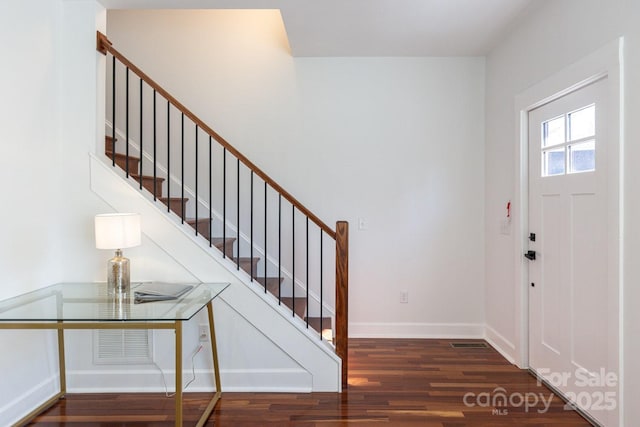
123,161
300,304
153,185
192,221
157,178
246,259
314,322
270,280
176,204
218,242
221,243
248,264
173,199
108,142
272,287
272,283
121,155
201,225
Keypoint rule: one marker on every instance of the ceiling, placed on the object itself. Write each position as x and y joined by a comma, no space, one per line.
375,27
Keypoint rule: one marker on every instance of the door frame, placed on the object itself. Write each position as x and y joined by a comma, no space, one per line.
605,62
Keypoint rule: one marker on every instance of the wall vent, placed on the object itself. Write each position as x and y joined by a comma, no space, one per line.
117,347
469,345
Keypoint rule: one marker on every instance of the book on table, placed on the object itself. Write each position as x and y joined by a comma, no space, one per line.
158,291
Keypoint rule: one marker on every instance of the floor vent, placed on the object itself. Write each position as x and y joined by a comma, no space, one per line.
469,345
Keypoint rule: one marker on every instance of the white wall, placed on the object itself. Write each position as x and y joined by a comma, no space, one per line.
553,36
631,275
29,149
397,141
29,160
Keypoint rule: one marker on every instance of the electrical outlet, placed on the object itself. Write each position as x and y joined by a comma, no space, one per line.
505,227
404,297
203,333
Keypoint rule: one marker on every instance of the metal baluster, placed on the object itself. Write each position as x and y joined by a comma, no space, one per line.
182,170
266,258
155,166
321,287
307,278
293,259
141,139
196,168
251,226
168,155
127,122
279,248
210,193
113,110
238,212
224,201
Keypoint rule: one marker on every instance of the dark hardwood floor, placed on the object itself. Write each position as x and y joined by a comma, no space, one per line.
394,382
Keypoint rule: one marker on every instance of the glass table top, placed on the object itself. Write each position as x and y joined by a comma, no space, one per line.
92,302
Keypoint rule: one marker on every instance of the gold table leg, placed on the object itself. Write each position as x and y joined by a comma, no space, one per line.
61,362
178,373
216,369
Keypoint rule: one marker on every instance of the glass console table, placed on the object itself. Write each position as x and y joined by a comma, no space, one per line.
89,306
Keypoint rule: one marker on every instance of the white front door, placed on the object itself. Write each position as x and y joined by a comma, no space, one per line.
570,207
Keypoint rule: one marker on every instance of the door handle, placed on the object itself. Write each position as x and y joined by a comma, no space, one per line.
530,255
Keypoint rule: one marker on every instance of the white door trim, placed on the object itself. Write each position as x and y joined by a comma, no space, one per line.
606,61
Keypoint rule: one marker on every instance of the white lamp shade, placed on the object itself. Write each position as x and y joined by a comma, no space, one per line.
117,230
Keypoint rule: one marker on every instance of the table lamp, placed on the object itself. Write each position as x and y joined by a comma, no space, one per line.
118,231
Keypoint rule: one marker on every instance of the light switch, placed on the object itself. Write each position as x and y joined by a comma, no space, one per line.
505,227
404,297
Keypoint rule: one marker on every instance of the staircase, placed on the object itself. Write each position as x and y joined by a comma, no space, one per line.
244,208
226,245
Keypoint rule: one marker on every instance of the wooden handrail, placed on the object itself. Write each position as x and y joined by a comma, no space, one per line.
104,46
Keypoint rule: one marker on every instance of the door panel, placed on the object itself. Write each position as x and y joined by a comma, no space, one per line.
569,210
589,274
551,304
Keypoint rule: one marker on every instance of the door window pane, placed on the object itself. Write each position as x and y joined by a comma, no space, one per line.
582,123
560,154
582,157
553,162
553,132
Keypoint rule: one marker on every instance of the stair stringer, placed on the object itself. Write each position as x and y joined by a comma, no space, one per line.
275,322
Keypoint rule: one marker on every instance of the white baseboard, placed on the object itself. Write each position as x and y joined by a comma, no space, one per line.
502,345
415,330
21,405
150,381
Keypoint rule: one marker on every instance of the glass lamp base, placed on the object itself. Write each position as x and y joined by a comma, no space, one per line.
118,274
